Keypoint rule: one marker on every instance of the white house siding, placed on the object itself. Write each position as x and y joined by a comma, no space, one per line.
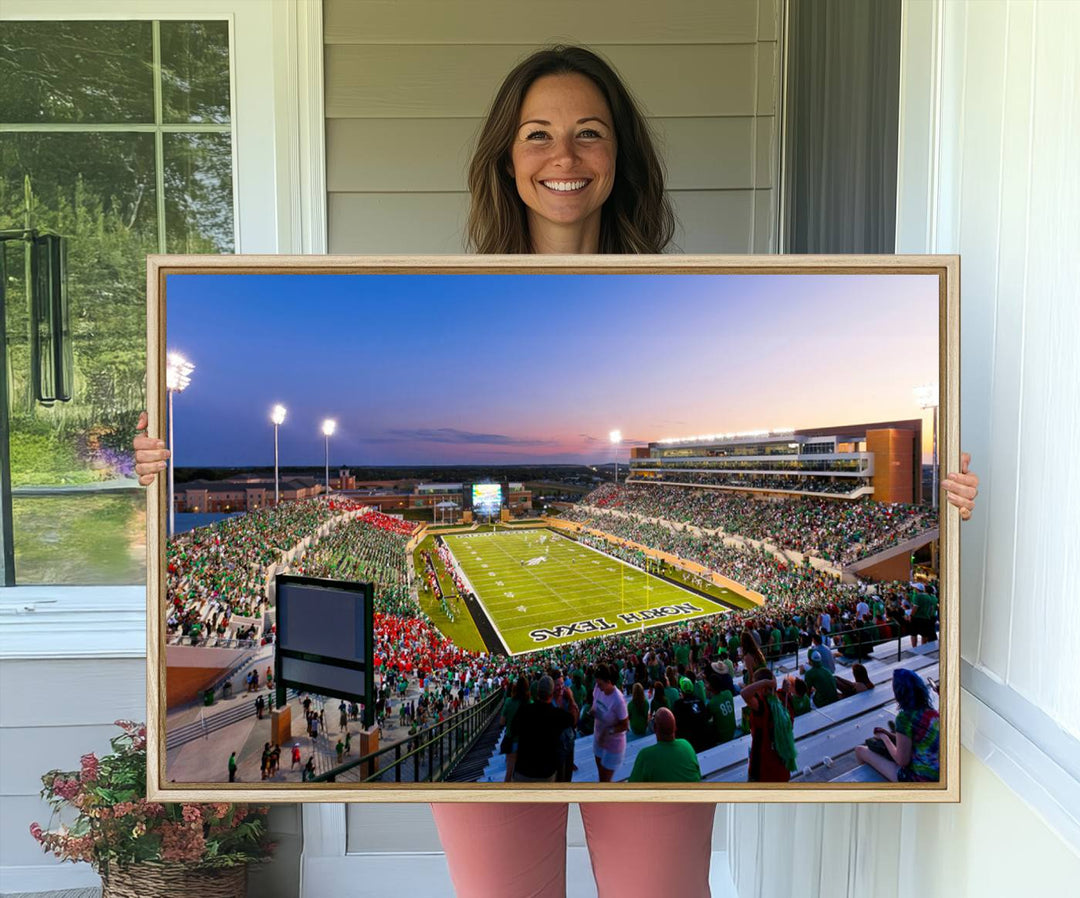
408,83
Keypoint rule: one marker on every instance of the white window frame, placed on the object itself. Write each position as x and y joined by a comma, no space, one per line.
279,197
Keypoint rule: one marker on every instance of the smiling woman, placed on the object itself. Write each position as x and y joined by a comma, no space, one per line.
563,162
563,117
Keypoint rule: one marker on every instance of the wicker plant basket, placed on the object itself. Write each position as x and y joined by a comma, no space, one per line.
173,881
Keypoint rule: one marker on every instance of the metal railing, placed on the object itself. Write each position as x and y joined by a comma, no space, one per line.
863,644
428,755
217,642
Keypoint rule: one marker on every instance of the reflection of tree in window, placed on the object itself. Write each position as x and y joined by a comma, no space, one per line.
117,135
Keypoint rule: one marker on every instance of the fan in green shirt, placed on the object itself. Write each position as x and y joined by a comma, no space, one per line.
671,760
820,682
923,604
776,639
734,646
721,709
638,710
796,695
578,689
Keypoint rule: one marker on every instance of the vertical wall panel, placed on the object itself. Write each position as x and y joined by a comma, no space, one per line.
1045,631
978,213
943,185
1009,453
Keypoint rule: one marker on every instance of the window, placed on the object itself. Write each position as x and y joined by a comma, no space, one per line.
118,136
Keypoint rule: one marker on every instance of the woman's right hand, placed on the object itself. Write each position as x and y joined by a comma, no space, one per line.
151,455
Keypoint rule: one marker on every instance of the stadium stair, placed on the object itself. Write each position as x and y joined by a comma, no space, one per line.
211,723
823,734
859,773
472,767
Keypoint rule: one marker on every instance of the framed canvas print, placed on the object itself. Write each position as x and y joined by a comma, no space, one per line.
553,528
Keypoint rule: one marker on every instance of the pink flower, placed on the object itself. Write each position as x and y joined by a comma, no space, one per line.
65,788
181,842
192,814
123,808
37,832
89,768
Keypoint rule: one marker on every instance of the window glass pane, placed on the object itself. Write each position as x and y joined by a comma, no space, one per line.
97,190
54,72
83,539
198,193
195,71
79,516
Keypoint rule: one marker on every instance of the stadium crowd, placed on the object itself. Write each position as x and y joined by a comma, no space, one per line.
735,480
218,571
369,547
692,670
835,531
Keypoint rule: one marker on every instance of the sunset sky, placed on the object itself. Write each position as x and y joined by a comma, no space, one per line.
490,369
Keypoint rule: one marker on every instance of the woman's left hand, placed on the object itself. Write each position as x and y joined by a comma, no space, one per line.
961,489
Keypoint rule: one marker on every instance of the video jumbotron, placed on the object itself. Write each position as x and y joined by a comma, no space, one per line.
617,528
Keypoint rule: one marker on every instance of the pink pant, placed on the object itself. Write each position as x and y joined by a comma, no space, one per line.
519,850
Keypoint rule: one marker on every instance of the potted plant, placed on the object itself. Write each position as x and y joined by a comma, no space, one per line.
144,848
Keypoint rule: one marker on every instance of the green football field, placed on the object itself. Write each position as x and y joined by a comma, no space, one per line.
541,589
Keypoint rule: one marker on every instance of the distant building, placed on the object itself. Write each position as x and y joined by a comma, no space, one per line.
880,460
241,493
250,493
344,480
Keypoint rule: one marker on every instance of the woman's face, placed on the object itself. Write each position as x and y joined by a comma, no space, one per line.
563,154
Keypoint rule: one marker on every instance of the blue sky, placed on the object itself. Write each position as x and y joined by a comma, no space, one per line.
512,369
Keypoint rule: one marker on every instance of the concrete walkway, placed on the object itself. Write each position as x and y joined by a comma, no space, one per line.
206,760
195,711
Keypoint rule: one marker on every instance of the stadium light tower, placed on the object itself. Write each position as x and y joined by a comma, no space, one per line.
278,417
927,398
616,438
177,378
328,428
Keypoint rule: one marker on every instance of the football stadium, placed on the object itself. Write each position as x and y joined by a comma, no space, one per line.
728,587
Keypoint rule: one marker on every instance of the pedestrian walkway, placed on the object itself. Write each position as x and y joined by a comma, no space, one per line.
194,712
205,760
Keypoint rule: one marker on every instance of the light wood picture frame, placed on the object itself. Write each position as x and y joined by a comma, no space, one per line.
944,270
